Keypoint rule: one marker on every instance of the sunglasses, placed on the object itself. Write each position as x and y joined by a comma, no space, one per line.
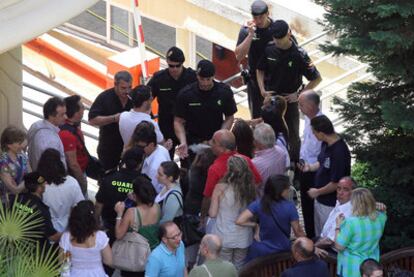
175,65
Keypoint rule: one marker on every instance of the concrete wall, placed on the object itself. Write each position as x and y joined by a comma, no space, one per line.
11,88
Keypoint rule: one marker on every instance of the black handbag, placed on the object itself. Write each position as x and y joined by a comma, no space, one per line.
94,170
188,224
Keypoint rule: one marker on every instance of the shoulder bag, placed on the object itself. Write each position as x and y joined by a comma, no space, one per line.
208,271
131,252
94,169
188,224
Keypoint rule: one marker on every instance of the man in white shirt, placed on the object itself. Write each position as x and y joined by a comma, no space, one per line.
343,206
44,133
309,105
141,99
155,154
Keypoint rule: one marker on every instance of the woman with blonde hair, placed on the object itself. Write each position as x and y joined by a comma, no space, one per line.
357,237
230,197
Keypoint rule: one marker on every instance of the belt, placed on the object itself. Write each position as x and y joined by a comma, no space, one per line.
300,88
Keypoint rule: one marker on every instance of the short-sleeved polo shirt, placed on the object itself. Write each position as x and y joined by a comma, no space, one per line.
284,69
110,141
360,236
334,163
261,38
204,111
165,88
114,187
164,263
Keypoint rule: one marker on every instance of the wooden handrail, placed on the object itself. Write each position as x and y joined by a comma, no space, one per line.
275,264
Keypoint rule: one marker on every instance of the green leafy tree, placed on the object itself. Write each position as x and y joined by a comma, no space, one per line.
20,253
379,115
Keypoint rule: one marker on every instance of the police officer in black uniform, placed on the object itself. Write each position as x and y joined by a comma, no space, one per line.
202,108
115,187
252,41
31,204
165,85
280,72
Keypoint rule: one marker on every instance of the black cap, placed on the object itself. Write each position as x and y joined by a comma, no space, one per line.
280,29
259,7
175,54
206,69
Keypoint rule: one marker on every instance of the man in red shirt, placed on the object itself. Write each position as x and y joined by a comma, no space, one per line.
73,141
223,145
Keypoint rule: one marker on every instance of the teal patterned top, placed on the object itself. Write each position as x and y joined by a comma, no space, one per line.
360,236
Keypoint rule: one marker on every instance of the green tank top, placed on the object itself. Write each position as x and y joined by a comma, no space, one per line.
150,232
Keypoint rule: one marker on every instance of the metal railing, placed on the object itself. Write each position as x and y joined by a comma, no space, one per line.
39,104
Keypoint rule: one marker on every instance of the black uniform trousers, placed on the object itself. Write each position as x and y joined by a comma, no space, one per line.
255,98
292,121
111,235
307,180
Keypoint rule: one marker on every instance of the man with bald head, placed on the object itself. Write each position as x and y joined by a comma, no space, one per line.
210,247
371,268
223,145
307,264
310,147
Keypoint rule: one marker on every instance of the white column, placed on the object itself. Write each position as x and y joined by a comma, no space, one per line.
131,35
186,40
11,77
108,21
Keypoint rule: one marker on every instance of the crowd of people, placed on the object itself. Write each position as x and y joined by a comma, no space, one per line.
231,178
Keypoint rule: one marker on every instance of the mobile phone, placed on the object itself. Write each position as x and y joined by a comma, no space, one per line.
129,203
